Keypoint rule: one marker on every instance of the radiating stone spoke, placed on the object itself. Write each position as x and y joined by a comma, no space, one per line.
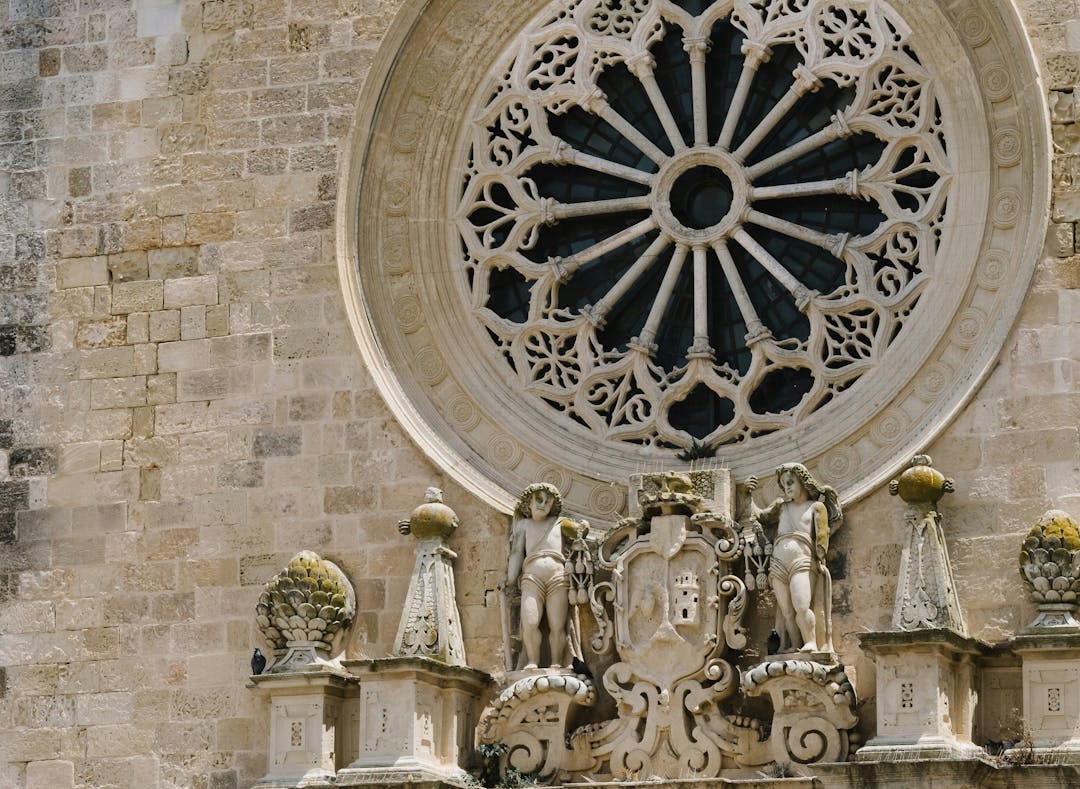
579,259
804,81
833,243
599,311
697,48
755,329
564,153
642,68
754,57
599,207
602,109
701,304
848,185
663,296
834,131
799,291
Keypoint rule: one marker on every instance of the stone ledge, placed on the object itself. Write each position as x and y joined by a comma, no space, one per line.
891,639
763,782
415,665
1046,640
325,675
928,774
952,773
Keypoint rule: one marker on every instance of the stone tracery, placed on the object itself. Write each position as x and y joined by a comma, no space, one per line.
497,401
785,241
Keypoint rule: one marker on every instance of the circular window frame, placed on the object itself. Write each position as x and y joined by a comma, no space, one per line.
394,237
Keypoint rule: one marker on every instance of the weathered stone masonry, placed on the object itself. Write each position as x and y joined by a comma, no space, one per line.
182,407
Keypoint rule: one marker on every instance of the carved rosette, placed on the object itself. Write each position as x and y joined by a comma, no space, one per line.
302,610
1050,564
580,347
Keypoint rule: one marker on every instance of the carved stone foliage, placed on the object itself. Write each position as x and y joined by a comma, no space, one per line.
669,606
1050,564
647,224
302,610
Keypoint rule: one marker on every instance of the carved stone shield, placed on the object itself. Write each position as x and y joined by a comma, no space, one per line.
668,623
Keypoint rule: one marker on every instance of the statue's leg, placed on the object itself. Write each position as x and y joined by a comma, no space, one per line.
530,623
786,626
801,589
557,605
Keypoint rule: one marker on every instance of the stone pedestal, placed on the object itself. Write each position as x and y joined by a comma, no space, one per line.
307,719
925,695
417,719
1051,688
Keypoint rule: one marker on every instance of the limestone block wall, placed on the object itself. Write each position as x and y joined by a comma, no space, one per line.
182,406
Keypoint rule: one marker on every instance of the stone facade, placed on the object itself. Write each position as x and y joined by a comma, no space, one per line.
183,407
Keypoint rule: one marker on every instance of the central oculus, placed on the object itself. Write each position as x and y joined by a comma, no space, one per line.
701,197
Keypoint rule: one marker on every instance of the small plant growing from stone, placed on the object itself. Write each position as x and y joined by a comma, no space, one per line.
697,451
778,770
491,754
1016,752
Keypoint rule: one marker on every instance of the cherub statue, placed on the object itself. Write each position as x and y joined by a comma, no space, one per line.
805,516
537,565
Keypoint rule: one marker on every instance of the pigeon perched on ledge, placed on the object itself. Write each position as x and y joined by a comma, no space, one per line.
258,662
580,667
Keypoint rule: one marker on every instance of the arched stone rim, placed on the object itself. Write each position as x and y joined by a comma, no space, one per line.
497,456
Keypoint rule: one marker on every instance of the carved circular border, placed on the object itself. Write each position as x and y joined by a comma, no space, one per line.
395,194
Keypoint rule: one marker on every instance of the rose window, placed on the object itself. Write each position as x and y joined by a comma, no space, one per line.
700,223
588,238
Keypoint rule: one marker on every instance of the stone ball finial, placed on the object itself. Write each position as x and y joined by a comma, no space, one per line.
432,519
1050,564
308,603
921,483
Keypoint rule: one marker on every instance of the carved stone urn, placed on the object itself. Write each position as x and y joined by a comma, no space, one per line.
1050,564
301,611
